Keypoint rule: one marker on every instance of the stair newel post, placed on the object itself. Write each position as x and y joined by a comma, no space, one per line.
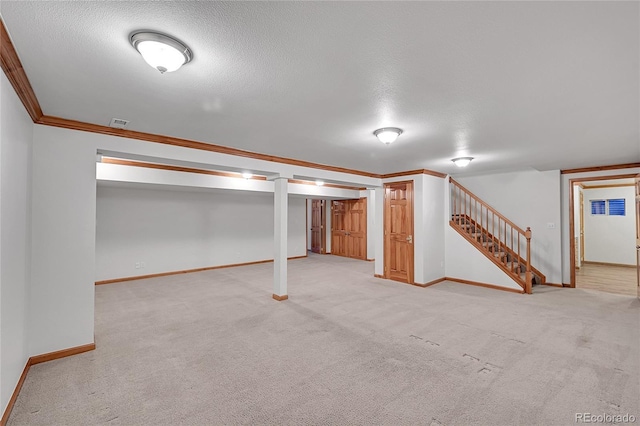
527,285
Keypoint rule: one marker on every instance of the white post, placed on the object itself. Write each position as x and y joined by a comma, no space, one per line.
281,207
379,231
371,224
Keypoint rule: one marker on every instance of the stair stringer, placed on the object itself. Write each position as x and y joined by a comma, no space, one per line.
464,261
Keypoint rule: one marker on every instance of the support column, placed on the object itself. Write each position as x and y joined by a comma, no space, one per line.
379,231
371,224
281,207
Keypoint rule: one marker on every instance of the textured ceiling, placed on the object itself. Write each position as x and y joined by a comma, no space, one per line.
517,85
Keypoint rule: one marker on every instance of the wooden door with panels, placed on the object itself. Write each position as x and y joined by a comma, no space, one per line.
398,231
349,228
318,227
638,233
356,225
338,228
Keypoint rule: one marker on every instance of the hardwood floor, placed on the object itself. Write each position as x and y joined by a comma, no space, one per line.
612,279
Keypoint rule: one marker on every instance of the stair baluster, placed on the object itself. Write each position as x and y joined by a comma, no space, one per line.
477,222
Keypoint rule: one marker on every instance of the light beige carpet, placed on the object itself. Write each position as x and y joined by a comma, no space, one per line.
213,348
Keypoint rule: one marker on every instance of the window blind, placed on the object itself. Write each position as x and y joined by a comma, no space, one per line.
616,207
597,207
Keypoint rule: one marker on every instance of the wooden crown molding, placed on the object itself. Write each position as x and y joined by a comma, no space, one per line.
600,168
614,185
157,166
17,76
14,71
414,172
110,160
328,185
187,143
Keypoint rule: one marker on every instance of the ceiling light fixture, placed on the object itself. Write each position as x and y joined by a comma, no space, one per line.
247,175
388,135
462,161
162,52
319,182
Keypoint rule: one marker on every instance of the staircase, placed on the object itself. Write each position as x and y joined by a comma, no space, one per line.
500,240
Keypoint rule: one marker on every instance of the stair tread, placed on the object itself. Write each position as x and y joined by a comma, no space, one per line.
512,262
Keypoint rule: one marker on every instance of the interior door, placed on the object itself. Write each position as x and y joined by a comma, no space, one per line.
638,232
318,225
398,231
356,226
338,228
349,228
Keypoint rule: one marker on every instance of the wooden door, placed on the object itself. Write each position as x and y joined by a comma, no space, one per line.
349,228
581,227
638,232
318,226
356,226
398,231
338,228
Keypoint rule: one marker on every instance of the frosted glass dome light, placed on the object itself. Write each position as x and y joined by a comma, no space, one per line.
164,53
462,161
388,135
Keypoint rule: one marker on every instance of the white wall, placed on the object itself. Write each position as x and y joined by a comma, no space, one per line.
64,218
610,239
428,238
173,230
16,136
466,262
566,211
529,199
433,233
63,242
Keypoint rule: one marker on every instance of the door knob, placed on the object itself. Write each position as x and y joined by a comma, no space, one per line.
410,239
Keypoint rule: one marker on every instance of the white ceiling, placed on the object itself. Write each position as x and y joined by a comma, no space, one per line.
517,85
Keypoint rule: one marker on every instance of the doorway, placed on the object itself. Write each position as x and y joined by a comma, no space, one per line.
398,231
318,227
603,232
349,228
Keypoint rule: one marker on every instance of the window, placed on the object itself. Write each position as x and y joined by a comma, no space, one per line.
616,207
612,207
597,207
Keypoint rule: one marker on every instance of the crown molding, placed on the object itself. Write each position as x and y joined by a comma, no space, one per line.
14,71
600,168
414,172
118,161
16,74
64,123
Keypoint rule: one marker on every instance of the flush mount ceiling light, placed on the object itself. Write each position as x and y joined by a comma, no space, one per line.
319,182
388,135
247,175
462,161
164,53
